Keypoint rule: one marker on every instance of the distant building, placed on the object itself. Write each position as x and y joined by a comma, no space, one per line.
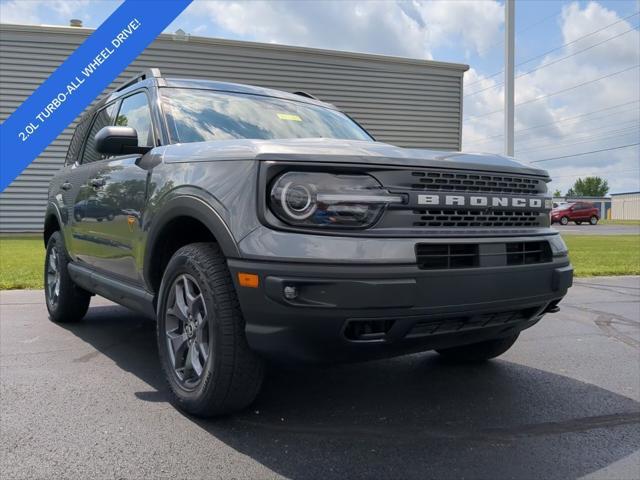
625,206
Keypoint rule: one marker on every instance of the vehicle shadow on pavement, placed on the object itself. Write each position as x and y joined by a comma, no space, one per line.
408,417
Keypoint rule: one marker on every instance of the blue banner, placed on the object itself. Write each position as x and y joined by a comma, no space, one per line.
80,79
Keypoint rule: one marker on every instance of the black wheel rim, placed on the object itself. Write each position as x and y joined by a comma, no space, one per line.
53,278
187,330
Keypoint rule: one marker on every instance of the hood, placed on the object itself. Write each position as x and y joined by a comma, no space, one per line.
341,151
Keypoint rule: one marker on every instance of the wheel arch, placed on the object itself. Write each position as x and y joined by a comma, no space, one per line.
52,223
183,220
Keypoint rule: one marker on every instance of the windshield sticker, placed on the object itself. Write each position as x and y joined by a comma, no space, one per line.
290,117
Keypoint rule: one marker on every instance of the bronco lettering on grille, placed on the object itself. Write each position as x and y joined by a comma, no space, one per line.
479,201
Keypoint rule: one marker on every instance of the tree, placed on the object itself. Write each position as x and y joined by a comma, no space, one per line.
589,187
557,193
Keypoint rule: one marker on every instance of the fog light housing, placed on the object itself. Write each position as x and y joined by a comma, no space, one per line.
290,292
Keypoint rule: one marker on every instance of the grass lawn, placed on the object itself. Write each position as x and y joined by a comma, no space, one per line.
604,221
21,262
21,258
593,255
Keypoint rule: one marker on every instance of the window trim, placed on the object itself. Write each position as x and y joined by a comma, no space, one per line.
81,161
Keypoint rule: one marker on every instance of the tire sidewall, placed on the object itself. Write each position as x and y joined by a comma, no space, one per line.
178,265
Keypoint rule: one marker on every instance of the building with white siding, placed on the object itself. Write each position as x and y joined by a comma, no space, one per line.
405,102
625,206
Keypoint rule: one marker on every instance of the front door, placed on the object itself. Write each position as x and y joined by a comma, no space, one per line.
118,189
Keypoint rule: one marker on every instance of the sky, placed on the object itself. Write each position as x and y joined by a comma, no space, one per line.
577,77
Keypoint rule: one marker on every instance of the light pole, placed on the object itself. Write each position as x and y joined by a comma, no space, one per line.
509,67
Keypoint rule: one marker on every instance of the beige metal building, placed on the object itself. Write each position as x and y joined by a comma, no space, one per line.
411,103
625,206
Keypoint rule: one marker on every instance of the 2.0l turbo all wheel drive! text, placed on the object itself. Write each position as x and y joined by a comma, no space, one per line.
256,224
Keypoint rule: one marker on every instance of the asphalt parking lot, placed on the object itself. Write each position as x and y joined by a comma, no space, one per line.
89,401
599,229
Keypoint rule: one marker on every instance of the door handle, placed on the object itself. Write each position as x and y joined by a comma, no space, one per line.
66,186
97,182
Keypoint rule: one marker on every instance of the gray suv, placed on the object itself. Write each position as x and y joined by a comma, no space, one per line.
260,225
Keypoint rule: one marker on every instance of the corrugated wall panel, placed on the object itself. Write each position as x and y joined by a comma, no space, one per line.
405,102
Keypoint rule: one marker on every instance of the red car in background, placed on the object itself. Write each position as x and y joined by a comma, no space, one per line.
577,212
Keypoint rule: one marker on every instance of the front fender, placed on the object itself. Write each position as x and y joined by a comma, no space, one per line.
189,205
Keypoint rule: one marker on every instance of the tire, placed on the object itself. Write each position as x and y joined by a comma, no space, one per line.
564,221
478,352
578,222
66,302
593,220
225,376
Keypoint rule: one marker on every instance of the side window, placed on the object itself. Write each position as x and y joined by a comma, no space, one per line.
73,153
135,112
102,119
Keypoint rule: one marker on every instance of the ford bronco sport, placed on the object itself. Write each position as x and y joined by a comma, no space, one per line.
256,224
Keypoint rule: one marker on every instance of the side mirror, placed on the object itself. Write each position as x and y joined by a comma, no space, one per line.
118,141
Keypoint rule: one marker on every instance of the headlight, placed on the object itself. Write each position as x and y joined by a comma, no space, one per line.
327,200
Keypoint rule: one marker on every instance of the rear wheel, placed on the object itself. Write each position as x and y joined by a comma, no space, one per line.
479,352
593,220
564,221
201,339
66,302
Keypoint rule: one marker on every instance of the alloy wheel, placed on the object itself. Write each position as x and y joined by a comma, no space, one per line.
187,330
53,278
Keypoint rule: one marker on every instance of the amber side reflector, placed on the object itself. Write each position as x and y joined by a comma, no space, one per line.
250,280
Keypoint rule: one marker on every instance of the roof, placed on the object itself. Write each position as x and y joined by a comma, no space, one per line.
625,193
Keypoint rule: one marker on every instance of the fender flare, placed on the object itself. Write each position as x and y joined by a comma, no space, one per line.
186,205
52,211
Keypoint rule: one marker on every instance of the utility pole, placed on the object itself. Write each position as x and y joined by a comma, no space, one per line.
509,71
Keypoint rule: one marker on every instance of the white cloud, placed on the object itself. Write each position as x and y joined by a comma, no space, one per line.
402,28
16,11
610,128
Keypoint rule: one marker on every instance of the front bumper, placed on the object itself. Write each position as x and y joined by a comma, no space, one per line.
350,312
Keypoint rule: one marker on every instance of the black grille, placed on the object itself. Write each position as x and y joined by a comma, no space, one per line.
525,253
460,324
446,256
476,218
474,182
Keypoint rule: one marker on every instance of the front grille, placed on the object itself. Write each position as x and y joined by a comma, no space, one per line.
441,216
447,256
474,182
461,324
475,218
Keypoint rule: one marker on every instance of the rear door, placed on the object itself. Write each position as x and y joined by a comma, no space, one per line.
87,217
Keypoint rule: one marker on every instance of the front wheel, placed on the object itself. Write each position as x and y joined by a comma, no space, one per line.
201,337
564,221
479,352
593,220
66,302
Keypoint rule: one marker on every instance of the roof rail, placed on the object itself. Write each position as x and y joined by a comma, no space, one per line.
305,94
145,74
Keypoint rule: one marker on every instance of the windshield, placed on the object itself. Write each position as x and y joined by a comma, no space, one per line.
195,115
